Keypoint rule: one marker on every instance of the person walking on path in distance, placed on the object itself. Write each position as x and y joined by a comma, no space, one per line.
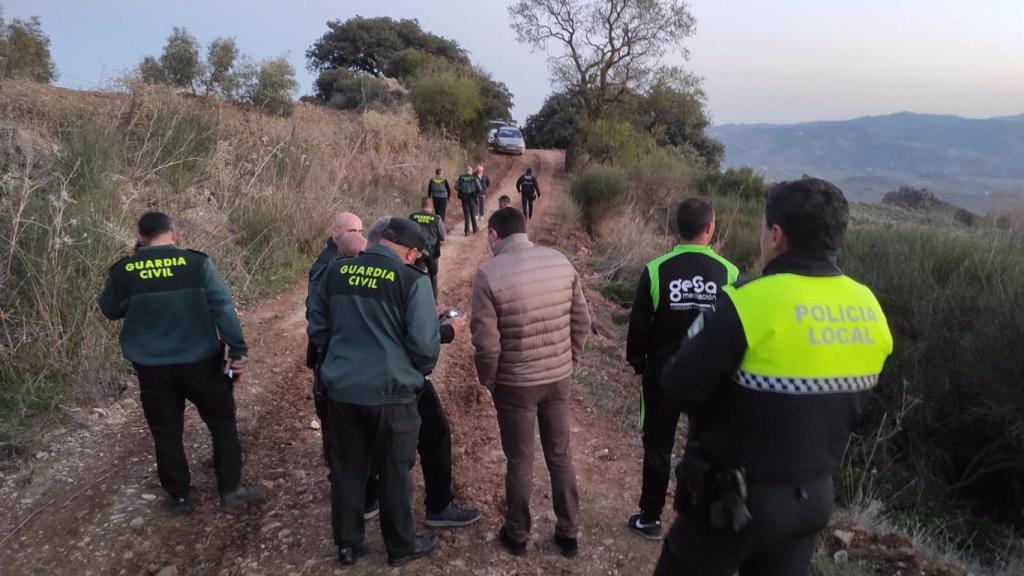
776,377
674,289
468,187
440,192
485,186
529,188
178,315
529,325
433,227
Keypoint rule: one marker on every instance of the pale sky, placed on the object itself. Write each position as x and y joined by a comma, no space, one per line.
762,61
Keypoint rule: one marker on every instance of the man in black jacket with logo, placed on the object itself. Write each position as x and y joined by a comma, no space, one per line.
529,188
776,376
674,289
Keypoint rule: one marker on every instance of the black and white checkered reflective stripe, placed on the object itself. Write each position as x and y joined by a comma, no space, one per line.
781,385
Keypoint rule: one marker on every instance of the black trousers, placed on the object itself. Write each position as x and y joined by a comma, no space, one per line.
431,264
385,437
480,200
469,214
164,390
659,435
528,206
440,206
435,450
779,541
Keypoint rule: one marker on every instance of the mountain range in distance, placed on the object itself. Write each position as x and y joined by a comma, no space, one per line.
977,164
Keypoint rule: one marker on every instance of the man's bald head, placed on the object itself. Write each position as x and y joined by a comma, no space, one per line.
345,223
351,244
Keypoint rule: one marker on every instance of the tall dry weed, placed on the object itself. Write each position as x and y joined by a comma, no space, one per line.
255,192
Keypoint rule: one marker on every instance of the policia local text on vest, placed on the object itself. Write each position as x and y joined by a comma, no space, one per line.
775,379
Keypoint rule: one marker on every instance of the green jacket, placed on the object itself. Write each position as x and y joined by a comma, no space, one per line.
433,227
468,186
375,319
176,308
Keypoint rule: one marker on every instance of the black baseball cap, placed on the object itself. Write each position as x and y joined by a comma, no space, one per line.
405,232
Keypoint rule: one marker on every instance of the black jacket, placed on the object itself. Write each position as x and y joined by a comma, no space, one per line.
777,438
528,186
316,272
689,280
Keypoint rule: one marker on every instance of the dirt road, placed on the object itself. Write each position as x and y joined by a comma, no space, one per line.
89,501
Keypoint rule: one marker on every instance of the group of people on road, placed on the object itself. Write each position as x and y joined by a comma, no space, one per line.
772,374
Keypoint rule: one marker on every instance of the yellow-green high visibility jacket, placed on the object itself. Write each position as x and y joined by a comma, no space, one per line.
776,376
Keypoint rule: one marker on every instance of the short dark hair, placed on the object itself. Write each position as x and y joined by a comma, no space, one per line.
438,171
504,198
693,216
812,213
153,224
507,221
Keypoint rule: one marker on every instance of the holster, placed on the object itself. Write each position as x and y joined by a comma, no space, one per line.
730,510
724,491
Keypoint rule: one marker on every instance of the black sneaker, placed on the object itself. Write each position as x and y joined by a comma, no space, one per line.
348,555
240,497
177,505
514,548
453,516
424,546
569,547
651,530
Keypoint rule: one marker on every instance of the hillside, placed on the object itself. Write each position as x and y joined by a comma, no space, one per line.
964,161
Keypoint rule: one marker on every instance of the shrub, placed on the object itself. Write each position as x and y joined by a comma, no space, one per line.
657,181
446,103
347,91
742,182
272,89
615,142
953,303
600,192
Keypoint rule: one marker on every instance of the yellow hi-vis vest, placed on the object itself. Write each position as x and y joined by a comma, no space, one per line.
810,335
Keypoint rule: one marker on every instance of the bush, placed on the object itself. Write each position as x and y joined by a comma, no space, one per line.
600,192
273,87
742,182
657,181
615,142
180,60
953,303
446,103
347,91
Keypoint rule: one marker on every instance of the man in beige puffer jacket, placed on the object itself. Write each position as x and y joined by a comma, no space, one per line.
529,325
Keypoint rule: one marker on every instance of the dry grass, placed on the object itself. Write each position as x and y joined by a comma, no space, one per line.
255,192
